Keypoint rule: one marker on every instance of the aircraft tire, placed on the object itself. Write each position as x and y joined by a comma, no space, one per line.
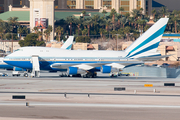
25,75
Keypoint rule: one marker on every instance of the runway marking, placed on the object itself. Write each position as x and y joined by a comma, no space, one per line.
69,93
86,105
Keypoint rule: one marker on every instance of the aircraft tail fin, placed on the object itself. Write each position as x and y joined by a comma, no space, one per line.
68,44
148,42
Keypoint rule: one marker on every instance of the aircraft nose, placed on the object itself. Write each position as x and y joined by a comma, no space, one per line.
7,58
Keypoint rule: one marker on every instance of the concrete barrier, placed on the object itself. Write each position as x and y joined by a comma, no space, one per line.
119,88
18,97
169,84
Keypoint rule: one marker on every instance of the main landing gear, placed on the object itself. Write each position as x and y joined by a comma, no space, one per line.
87,75
90,75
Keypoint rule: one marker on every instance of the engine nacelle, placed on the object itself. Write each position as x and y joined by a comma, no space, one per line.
19,69
108,69
75,70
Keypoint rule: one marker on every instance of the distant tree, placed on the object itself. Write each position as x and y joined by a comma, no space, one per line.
84,13
47,33
163,11
59,31
121,9
104,12
31,40
35,29
83,39
9,36
13,22
22,30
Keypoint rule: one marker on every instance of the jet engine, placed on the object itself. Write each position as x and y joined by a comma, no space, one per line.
18,69
108,69
75,70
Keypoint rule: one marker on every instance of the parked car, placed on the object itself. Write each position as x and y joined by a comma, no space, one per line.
165,65
3,74
154,65
123,74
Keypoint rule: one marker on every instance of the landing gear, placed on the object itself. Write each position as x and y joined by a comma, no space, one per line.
25,74
87,75
77,75
113,75
90,75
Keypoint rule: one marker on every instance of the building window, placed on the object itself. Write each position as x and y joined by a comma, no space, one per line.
56,4
17,3
1,6
89,4
138,4
71,4
125,5
107,3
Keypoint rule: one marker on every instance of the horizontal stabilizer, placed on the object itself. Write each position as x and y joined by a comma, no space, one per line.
154,58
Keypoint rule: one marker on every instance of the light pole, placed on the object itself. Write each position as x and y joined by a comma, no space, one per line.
12,43
117,42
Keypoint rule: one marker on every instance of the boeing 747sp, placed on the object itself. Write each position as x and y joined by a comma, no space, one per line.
87,63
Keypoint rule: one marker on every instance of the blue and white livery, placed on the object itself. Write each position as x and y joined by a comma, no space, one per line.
86,63
66,46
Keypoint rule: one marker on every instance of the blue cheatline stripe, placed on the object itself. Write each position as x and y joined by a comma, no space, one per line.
69,47
152,37
146,49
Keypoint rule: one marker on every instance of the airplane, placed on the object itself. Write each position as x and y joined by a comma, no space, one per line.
66,46
86,63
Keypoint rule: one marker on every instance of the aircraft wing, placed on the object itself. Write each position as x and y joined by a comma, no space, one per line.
153,58
89,66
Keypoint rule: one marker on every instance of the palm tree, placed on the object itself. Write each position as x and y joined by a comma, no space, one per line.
39,33
108,23
175,19
119,17
84,32
1,28
35,29
164,11
127,31
136,13
104,12
154,12
1,32
112,15
84,13
59,30
95,20
146,27
123,21
13,22
127,15
47,32
141,23
70,20
78,22
121,9
20,31
101,31
141,10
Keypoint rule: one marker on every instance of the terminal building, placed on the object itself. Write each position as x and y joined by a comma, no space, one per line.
128,5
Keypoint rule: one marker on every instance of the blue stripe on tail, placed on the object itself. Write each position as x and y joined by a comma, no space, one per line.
146,49
152,37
